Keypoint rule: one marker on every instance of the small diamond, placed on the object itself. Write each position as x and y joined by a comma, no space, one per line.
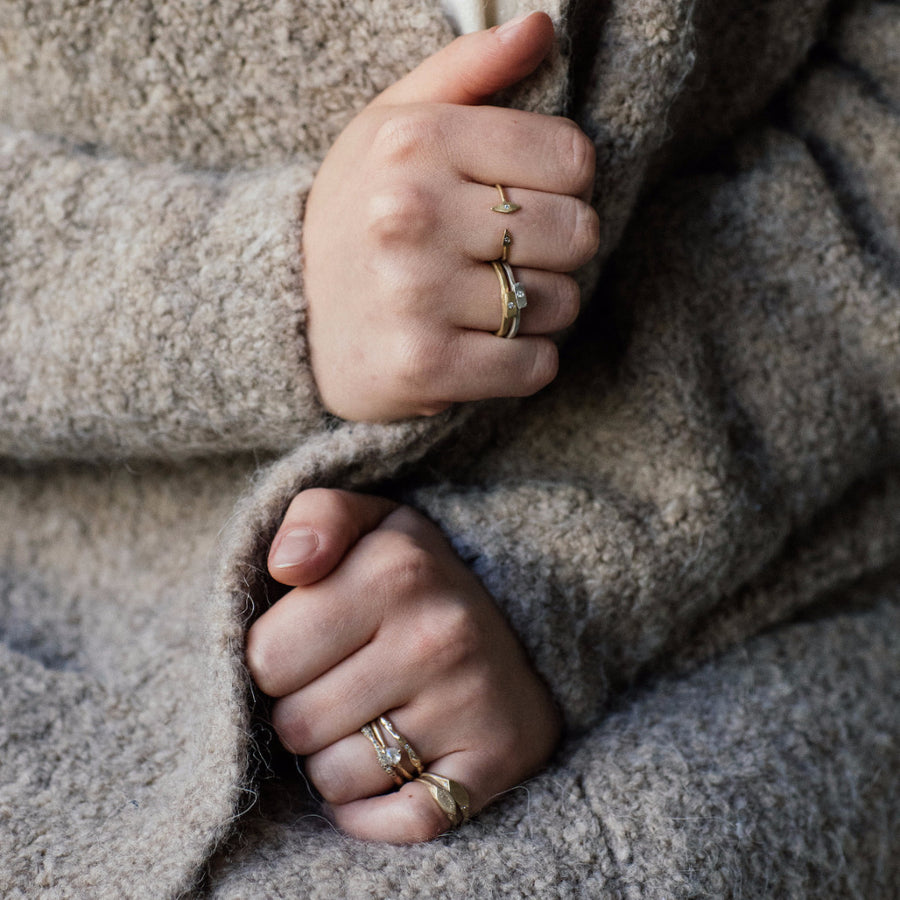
521,300
391,755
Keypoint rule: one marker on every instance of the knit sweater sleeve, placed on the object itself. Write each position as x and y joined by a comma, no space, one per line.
154,162
148,309
742,433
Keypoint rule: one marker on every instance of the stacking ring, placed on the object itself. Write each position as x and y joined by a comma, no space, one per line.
505,241
450,796
504,206
509,310
390,758
512,300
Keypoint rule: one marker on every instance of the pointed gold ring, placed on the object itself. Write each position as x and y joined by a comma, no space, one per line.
505,242
504,206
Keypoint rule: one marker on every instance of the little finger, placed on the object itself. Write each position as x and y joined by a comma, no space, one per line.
485,366
411,814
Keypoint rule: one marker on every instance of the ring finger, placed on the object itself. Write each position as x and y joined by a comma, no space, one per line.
553,300
349,769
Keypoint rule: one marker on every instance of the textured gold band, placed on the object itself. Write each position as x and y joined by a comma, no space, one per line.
450,796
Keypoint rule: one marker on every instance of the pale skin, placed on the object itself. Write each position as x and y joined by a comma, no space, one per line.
382,617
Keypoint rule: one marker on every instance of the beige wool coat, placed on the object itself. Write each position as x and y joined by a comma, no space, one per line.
695,531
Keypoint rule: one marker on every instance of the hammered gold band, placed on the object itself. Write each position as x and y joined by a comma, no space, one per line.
391,758
450,796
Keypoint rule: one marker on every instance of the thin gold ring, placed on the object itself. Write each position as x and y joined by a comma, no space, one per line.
390,758
505,242
509,308
414,759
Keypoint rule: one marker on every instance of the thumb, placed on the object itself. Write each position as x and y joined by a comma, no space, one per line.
476,65
318,529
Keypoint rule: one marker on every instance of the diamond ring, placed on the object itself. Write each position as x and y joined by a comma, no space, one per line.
391,758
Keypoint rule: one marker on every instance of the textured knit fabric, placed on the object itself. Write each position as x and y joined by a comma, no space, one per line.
695,531
472,15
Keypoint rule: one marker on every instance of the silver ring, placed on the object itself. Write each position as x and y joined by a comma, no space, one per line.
521,300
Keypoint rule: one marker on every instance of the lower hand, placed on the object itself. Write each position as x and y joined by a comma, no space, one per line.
384,619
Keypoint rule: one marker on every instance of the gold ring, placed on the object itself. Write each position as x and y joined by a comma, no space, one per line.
505,241
391,758
509,308
450,796
504,206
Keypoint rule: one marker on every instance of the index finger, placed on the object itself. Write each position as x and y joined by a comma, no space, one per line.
492,145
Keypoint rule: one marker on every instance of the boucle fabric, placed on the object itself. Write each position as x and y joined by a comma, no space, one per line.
695,530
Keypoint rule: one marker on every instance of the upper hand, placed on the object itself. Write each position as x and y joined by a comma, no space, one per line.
403,304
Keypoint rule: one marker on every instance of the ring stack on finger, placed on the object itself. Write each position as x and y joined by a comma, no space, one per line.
512,293
450,796
401,762
512,300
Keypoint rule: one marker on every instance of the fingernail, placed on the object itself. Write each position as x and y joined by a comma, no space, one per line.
513,24
294,547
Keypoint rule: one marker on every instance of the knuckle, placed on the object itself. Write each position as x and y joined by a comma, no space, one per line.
569,302
405,567
402,214
259,654
580,155
585,232
445,637
544,367
332,779
290,726
405,133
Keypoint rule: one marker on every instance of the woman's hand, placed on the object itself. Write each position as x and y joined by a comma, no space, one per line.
399,231
385,619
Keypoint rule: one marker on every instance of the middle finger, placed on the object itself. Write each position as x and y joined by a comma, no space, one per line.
550,231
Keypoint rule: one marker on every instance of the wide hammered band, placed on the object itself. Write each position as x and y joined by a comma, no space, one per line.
450,796
391,758
512,300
